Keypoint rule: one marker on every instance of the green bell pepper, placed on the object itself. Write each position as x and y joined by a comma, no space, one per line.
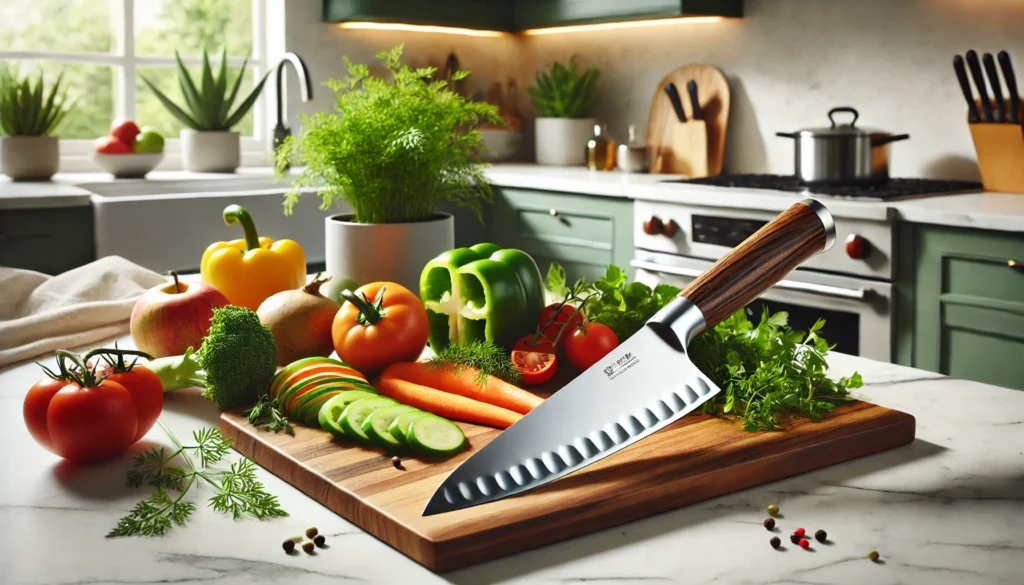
484,292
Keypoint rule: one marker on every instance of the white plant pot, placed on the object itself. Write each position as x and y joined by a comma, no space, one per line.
563,141
210,151
392,252
29,158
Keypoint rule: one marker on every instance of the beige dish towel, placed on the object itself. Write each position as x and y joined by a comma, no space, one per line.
40,313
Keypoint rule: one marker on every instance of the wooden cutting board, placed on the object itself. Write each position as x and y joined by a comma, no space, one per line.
696,459
664,129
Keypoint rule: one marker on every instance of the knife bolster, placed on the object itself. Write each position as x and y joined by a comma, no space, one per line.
678,322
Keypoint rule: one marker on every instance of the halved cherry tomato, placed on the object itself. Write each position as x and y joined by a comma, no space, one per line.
589,343
534,366
551,324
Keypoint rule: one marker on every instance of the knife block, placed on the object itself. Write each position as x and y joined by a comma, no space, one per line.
1000,151
685,150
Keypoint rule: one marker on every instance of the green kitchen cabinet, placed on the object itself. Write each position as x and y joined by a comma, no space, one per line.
961,303
51,240
475,14
547,13
583,233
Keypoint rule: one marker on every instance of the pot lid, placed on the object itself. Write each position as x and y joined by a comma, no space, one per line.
839,127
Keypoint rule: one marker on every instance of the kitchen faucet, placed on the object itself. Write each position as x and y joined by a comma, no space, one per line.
305,88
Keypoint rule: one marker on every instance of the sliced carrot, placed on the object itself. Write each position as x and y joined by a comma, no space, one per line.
464,383
446,404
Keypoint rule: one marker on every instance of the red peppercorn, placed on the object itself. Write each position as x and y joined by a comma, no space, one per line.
804,544
799,532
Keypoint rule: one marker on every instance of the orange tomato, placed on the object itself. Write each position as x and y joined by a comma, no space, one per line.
380,324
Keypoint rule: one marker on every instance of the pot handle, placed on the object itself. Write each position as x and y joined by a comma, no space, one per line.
883,140
786,134
846,109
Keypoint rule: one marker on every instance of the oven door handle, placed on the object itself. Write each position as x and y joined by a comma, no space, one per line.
859,294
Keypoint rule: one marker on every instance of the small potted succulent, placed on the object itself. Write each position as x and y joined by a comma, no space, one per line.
564,98
207,143
394,150
29,115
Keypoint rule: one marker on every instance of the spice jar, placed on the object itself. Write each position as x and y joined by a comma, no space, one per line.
632,157
601,150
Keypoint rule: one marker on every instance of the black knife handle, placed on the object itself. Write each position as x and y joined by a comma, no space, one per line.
997,86
677,104
1011,87
965,86
691,88
979,82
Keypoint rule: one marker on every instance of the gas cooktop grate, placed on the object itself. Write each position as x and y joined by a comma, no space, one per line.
882,191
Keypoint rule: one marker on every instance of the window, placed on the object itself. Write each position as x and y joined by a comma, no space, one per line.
105,46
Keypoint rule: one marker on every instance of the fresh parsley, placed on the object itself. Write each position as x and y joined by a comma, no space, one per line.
238,491
484,356
266,415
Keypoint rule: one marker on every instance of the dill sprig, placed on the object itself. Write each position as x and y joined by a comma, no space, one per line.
239,493
483,356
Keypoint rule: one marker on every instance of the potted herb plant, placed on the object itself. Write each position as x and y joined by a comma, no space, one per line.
394,150
564,98
207,143
28,117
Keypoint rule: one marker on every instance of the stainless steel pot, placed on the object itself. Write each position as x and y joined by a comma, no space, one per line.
841,153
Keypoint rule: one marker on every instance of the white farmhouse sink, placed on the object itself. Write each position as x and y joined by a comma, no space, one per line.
166,225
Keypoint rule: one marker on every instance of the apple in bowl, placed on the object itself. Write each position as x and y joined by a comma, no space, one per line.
169,318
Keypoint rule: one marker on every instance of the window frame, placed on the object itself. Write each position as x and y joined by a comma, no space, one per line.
75,153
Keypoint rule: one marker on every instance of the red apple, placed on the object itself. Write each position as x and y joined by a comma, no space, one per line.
125,131
171,317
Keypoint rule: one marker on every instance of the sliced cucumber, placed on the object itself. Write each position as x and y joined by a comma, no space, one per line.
376,426
332,410
400,426
434,436
352,419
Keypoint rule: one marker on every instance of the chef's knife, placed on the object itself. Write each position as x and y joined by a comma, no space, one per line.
979,82
677,104
965,86
1011,87
646,383
691,88
997,86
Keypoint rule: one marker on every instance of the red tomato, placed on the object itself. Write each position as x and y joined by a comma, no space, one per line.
551,324
111,145
147,393
34,410
90,424
530,343
534,366
589,344
125,131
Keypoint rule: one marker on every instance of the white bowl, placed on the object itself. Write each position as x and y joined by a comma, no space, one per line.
128,166
501,144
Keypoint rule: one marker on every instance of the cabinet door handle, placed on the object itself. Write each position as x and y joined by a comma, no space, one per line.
1015,264
553,213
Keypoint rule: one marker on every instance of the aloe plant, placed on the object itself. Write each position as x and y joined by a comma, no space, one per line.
208,103
565,92
26,109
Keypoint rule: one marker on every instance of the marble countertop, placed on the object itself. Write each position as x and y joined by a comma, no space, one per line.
946,509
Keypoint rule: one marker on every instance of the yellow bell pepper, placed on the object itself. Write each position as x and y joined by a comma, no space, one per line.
249,270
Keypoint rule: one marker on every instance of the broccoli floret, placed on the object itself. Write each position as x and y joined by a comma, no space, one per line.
234,365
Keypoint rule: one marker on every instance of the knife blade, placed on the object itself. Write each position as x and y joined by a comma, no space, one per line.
677,104
691,88
645,384
1011,87
979,82
965,86
997,86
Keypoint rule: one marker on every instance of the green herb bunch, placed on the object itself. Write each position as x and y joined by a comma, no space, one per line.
484,356
28,109
208,104
565,92
395,148
237,491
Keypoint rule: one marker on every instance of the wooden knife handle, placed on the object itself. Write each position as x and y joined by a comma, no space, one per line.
762,260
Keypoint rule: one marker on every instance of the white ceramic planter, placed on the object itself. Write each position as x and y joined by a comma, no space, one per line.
393,252
210,152
563,141
29,158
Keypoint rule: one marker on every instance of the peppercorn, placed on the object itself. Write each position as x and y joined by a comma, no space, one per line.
769,523
319,540
775,542
289,546
799,532
773,509
873,555
821,535
308,547
396,462
794,539
311,532
804,544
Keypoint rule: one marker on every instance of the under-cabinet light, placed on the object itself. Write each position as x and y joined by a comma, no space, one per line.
627,24
451,30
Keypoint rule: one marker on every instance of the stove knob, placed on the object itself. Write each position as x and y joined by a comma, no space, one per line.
857,247
654,226
671,228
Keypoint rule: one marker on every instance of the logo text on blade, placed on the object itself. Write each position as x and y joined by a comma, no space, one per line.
616,369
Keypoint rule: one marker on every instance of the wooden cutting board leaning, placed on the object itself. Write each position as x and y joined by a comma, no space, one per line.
696,147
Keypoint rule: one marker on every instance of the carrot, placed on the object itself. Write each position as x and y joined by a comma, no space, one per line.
446,404
463,381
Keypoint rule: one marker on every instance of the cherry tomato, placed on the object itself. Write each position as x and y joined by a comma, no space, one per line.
147,393
534,366
589,343
533,343
34,409
551,324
